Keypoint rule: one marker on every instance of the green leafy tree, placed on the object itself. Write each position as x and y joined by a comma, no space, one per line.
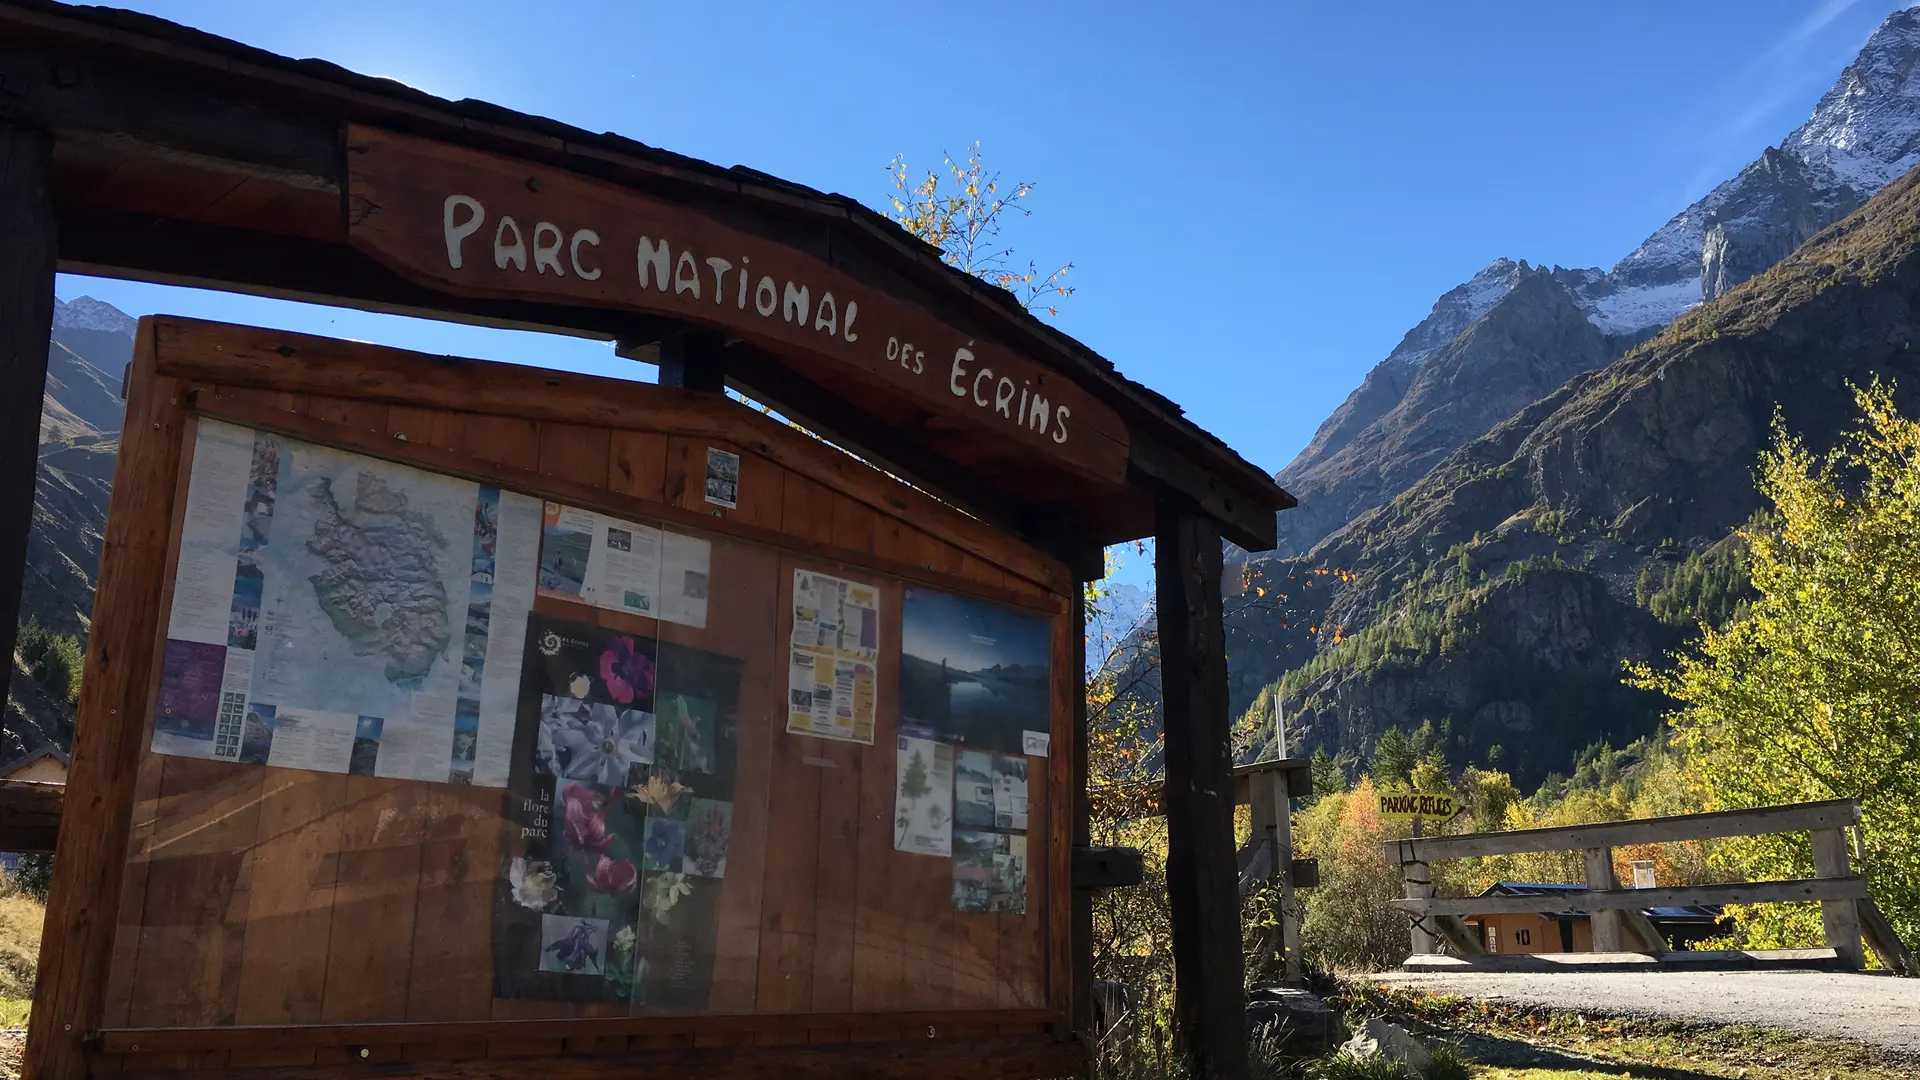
1813,691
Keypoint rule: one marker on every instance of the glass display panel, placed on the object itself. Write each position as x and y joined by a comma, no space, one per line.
545,762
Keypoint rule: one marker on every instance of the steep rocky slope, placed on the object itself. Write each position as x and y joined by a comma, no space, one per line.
1497,595
1863,133
80,422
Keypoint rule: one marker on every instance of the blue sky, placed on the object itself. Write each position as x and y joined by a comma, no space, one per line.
1260,199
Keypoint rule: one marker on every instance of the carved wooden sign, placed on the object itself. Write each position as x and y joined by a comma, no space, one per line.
479,225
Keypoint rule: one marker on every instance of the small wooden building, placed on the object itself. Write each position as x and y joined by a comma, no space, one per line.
47,765
454,719
1571,931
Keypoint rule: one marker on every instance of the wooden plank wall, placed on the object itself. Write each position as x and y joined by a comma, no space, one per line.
262,896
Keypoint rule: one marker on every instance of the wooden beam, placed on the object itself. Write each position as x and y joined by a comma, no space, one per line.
286,362
1796,817
586,496
1761,892
83,907
1298,774
693,361
27,251
1598,863
183,1040
1081,924
1245,518
30,816
1209,1004
1886,944
81,97
1002,1057
1840,916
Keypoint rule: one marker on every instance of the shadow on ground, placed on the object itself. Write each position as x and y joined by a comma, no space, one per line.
1514,1054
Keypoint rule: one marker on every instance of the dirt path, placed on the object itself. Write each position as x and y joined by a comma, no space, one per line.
1875,1010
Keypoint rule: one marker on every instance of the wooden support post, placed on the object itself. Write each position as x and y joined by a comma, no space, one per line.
1840,917
693,363
28,247
1606,921
1419,880
1081,928
1294,970
83,906
1209,1002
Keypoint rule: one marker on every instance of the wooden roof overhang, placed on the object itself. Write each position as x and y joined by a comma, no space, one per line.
186,158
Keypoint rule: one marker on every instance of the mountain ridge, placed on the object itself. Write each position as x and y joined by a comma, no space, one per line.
1863,132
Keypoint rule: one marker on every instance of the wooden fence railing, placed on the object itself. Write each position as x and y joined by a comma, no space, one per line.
1847,913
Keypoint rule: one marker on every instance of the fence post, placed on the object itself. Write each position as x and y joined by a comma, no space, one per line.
1606,923
1419,887
1840,917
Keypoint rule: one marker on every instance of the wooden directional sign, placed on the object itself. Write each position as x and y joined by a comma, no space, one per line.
479,225
1405,805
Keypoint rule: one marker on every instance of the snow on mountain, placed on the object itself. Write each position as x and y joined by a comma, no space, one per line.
1457,309
1866,128
86,313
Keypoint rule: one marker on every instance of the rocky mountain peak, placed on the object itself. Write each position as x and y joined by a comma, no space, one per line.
86,313
1866,129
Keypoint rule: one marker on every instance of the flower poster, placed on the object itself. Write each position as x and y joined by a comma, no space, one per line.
923,797
619,820
833,662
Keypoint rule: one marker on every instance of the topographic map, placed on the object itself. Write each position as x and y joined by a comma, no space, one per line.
365,573
339,613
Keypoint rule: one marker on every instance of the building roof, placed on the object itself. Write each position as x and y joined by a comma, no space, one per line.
47,751
317,88
1688,914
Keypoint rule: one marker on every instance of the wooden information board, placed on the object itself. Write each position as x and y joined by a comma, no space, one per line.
474,712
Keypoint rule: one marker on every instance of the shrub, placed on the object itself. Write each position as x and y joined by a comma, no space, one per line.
55,660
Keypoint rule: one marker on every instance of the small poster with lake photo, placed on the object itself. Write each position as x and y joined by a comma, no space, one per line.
974,673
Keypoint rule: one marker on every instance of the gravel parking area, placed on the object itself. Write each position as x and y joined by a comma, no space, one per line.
1876,1010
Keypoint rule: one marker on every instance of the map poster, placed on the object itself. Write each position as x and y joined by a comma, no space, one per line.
339,613
620,816
623,565
976,674
832,668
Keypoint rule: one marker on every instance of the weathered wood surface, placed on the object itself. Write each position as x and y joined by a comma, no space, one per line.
1295,773
907,1055
30,815
1202,879
482,225
28,243
170,1040
1765,892
284,362
1885,943
1839,916
324,903
1598,864
1797,817
120,673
